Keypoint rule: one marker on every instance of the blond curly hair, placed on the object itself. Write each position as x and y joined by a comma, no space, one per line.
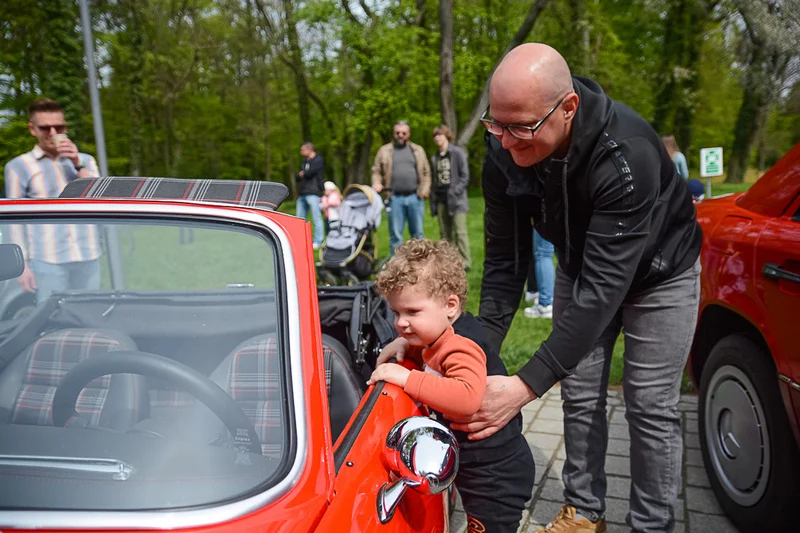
435,265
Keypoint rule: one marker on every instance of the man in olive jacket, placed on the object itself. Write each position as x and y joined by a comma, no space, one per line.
403,166
449,191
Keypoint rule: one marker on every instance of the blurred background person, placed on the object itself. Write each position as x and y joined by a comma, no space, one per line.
677,156
330,202
62,256
310,180
449,191
403,167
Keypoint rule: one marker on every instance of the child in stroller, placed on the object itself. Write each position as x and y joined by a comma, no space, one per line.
349,249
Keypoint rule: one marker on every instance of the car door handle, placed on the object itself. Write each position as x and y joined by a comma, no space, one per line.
773,271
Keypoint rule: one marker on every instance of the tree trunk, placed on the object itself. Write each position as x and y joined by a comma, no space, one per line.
683,125
265,122
448,105
360,170
577,50
749,117
483,100
296,58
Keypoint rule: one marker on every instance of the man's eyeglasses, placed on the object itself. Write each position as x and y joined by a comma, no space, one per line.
519,131
60,128
401,133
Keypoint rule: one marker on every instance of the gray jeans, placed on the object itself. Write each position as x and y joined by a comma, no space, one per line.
658,325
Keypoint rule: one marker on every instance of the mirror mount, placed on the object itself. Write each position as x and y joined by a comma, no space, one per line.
424,455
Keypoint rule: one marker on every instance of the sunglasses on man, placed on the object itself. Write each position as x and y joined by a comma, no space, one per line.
60,128
519,131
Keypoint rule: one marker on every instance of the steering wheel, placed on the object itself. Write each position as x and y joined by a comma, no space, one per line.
148,364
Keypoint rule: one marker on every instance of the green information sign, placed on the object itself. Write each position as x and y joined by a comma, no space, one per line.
711,162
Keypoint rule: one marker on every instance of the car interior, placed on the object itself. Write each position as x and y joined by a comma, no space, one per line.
154,416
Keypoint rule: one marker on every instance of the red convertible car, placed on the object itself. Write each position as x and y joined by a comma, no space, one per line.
746,354
192,376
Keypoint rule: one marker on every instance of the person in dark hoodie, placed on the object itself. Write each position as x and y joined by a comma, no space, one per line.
595,180
310,188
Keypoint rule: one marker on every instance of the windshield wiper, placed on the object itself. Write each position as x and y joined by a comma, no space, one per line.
83,467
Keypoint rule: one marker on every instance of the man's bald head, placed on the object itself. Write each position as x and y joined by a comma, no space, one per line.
533,82
531,70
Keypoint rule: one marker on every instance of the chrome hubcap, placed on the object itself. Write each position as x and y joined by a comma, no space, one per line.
737,436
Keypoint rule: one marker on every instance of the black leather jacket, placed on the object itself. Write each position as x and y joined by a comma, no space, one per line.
619,216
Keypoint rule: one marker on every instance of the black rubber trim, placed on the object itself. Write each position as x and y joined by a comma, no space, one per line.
349,438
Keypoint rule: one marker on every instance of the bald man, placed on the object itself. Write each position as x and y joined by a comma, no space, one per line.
596,181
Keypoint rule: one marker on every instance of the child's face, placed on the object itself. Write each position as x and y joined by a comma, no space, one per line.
420,319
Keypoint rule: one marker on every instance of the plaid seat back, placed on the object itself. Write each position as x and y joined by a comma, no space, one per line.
49,360
255,385
166,398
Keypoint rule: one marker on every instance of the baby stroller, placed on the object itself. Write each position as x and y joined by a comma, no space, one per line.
349,249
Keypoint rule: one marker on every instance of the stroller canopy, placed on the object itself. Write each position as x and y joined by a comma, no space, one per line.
361,207
360,212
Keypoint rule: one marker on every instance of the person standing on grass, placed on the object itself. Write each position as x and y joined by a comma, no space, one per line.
677,156
403,166
595,180
449,191
545,278
58,257
310,180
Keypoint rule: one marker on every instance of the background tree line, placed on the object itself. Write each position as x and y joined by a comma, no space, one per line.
230,88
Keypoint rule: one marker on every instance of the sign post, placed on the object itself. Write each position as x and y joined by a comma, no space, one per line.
710,165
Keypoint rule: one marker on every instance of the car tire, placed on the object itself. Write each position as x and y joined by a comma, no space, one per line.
748,447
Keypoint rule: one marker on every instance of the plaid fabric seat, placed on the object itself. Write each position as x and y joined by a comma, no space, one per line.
254,383
49,360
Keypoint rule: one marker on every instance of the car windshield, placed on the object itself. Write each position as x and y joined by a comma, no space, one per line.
142,365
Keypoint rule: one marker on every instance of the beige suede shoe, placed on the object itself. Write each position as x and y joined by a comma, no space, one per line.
565,522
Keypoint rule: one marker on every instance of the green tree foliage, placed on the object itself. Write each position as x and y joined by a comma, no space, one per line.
230,88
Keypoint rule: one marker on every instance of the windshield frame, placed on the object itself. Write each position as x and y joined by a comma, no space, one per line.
217,512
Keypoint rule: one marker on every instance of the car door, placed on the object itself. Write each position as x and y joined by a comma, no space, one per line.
778,273
362,469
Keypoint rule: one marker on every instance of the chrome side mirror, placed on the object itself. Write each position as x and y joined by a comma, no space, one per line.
424,455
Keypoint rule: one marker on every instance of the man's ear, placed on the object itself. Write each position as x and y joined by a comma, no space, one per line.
570,106
31,128
453,306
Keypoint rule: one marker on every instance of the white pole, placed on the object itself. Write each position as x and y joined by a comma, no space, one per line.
94,93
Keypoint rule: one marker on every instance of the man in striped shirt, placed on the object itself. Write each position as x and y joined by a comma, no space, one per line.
57,256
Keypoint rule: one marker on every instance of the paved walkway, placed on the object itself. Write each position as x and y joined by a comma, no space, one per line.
698,510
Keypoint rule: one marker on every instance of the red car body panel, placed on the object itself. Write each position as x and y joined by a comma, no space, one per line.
741,234
321,500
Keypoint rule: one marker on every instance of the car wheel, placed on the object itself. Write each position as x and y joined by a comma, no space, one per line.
748,447
326,279
348,278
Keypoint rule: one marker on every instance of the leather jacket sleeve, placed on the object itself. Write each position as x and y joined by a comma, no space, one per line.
625,186
508,241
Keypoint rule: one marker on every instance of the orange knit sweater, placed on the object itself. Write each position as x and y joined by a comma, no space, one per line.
454,379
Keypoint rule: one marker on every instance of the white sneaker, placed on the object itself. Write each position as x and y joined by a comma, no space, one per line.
315,246
539,311
531,298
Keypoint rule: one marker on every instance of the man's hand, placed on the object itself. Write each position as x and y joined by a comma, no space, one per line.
504,397
397,349
378,187
27,280
67,149
302,173
390,373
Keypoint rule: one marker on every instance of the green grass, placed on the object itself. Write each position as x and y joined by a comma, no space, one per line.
525,334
